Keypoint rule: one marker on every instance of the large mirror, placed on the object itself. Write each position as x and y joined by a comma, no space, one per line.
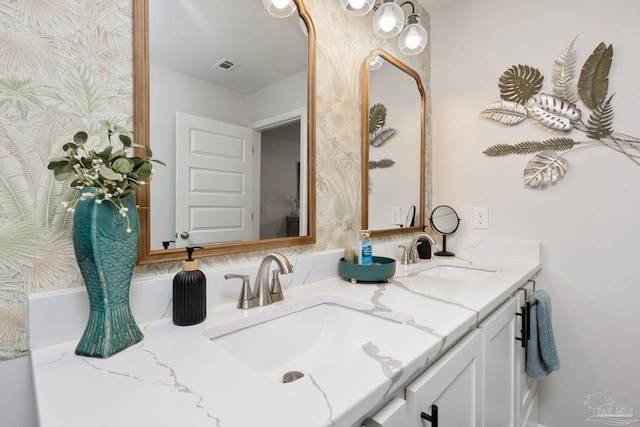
224,95
393,141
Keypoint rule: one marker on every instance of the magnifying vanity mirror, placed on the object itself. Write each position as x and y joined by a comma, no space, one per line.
224,94
444,220
393,153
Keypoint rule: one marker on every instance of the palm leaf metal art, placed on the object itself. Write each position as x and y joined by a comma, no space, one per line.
520,90
379,134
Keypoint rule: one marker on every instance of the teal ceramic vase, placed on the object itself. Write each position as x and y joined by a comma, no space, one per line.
106,254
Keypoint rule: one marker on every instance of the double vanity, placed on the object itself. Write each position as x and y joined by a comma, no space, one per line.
331,353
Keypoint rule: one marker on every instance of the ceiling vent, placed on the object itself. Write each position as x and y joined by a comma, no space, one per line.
225,65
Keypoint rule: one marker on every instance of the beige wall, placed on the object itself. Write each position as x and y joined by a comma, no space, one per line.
66,65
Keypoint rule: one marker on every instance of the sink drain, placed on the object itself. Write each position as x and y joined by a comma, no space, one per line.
292,376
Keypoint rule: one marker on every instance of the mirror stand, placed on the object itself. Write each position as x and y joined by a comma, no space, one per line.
444,220
444,251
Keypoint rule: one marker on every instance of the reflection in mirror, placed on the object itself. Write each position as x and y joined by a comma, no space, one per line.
392,147
444,220
229,108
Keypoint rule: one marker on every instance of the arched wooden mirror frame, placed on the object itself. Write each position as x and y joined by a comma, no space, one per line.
366,145
141,129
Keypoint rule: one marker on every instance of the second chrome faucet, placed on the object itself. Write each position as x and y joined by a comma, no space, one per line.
263,294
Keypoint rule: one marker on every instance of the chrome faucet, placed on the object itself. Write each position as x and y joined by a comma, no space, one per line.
412,249
263,295
261,289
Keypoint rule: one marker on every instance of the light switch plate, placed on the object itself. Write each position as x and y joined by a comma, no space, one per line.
396,215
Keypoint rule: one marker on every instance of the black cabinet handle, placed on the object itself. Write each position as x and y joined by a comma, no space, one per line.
525,325
525,329
433,418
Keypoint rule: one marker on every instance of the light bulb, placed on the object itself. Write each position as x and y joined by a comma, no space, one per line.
413,39
357,7
280,8
388,20
387,23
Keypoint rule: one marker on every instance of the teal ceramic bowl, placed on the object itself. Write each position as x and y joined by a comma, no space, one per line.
382,270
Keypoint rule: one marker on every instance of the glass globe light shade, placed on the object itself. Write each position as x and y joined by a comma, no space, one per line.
413,38
375,63
280,8
357,7
388,20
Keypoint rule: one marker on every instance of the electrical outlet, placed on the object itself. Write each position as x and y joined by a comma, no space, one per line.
481,218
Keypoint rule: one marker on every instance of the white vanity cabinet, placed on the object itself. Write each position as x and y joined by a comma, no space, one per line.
509,394
452,387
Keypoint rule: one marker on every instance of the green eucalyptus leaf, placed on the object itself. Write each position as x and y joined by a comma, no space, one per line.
144,170
106,153
80,137
123,165
126,141
108,173
70,145
158,161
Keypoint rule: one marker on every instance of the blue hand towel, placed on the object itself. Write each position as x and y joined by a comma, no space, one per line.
542,356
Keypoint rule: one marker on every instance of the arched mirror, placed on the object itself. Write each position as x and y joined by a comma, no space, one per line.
444,220
224,95
393,139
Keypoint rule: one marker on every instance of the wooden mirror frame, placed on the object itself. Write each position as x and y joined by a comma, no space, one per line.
141,132
365,145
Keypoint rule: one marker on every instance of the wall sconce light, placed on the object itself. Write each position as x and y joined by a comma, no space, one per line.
388,22
413,37
280,8
376,63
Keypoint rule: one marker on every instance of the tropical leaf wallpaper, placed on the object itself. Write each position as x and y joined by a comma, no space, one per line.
67,64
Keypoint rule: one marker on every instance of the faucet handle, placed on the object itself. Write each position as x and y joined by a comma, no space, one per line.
275,289
246,299
405,259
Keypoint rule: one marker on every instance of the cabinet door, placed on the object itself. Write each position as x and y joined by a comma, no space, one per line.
500,352
394,414
526,405
453,384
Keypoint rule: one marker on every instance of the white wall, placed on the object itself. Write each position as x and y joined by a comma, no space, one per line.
588,222
281,97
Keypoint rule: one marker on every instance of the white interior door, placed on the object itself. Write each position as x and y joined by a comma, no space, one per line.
213,181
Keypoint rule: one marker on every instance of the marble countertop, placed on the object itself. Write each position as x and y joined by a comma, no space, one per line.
178,376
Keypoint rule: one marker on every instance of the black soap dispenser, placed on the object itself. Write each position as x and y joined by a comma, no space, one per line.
189,292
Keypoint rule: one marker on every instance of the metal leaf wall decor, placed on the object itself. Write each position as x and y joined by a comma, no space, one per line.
520,90
379,134
545,168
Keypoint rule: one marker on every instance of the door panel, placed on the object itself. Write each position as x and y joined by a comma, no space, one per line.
214,181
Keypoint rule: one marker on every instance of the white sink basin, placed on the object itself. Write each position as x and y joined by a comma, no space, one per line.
312,339
461,273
